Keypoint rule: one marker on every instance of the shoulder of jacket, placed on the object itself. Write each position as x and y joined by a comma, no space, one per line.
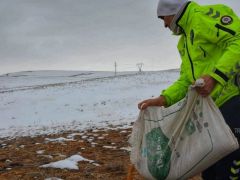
219,14
214,10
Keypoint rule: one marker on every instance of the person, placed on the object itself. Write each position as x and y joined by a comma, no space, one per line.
209,47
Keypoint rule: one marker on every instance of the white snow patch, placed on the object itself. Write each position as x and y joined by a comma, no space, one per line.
72,136
40,151
95,130
90,139
96,164
53,178
8,161
110,147
93,144
22,146
84,137
124,131
69,163
60,139
126,149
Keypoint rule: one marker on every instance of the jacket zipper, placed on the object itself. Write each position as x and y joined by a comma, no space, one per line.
189,57
224,29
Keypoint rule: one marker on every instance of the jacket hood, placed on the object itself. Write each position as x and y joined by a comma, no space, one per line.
169,7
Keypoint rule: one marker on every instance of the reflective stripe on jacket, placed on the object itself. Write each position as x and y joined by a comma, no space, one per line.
209,45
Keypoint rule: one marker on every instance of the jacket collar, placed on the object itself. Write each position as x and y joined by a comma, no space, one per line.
180,19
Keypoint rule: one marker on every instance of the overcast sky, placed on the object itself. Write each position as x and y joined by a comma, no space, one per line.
86,35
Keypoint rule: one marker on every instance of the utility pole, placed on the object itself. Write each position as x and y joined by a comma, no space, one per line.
139,65
115,65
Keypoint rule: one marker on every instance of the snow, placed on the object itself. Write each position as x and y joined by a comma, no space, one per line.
34,79
53,178
95,130
60,139
68,163
22,146
40,151
84,137
72,136
110,147
124,131
90,139
49,102
126,148
8,161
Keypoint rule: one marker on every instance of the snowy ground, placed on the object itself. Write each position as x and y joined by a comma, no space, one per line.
45,102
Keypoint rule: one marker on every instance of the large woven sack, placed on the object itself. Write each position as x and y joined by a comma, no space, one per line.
180,141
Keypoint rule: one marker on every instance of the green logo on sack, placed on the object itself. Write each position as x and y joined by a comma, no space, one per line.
190,127
158,153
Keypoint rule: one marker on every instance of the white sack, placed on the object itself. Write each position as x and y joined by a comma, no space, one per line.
180,141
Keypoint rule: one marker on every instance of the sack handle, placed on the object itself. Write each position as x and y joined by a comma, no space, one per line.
198,83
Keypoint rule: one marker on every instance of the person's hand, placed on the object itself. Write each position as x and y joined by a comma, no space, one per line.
159,101
144,104
209,84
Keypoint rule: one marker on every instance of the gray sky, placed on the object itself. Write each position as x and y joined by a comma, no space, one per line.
86,35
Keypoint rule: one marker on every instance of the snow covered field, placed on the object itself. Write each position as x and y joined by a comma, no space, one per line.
45,102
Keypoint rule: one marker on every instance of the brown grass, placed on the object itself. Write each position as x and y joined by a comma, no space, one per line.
19,160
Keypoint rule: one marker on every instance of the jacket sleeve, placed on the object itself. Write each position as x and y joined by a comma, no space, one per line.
229,64
227,38
178,89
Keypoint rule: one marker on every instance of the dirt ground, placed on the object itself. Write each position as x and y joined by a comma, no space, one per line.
22,157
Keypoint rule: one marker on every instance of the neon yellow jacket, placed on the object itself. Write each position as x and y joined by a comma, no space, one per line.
209,45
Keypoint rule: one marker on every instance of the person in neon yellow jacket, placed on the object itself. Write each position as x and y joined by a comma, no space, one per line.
209,47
